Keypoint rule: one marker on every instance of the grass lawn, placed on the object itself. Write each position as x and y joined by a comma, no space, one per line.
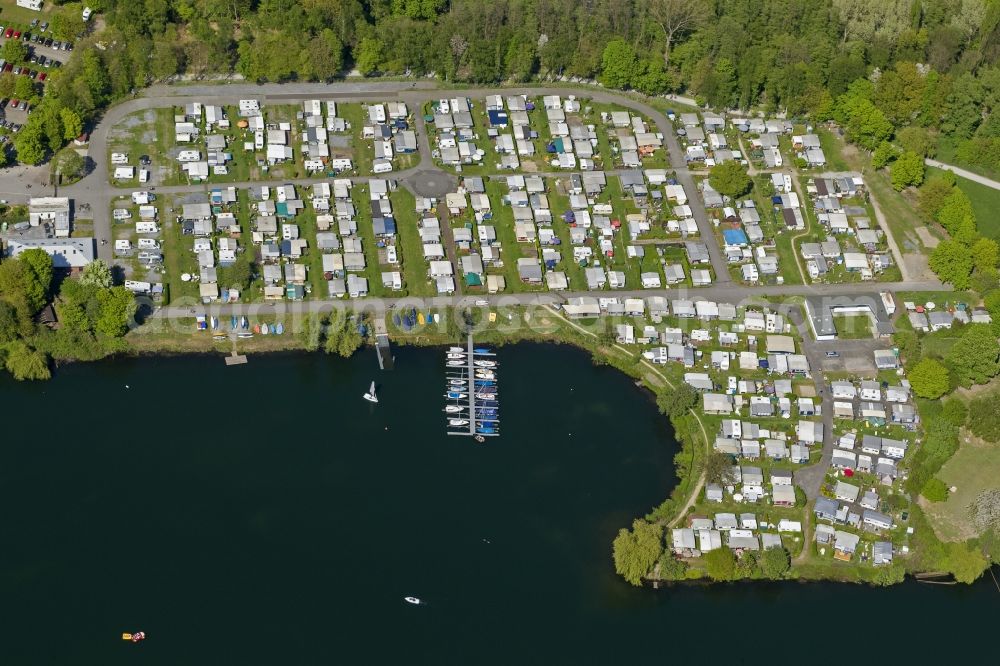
985,202
559,204
622,206
364,150
373,270
503,222
409,246
853,327
971,470
946,153
832,147
20,18
178,258
938,345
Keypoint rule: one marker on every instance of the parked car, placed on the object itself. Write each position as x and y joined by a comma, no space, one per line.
16,35
9,33
14,102
23,106
33,59
69,47
26,37
44,26
17,70
34,23
8,67
64,46
48,41
42,76
35,38
56,44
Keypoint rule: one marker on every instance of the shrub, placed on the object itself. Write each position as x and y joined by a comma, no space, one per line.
935,490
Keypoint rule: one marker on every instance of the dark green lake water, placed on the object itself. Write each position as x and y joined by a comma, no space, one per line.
265,514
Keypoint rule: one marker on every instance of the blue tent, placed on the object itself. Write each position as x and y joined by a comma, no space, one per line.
498,118
735,237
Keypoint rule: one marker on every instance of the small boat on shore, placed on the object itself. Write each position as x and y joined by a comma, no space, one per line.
370,396
244,323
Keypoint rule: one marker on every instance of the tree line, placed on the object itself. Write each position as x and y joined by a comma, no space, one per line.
91,318
929,64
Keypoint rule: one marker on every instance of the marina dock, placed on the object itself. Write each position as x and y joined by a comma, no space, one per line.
475,375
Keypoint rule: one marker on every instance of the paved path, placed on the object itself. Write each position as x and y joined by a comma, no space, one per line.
982,180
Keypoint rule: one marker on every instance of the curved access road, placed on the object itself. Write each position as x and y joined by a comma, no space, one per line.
95,190
968,175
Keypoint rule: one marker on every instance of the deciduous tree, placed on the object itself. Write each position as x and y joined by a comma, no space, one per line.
975,358
730,179
23,362
929,379
907,170
676,17
720,564
951,262
774,562
635,551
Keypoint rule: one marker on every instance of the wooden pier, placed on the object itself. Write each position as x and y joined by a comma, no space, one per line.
382,348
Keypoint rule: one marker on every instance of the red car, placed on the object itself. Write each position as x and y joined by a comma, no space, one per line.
42,76
9,33
14,103
17,34
8,67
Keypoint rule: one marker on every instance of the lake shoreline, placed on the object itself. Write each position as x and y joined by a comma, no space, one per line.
173,346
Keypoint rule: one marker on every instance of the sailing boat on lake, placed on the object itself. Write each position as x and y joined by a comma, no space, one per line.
370,396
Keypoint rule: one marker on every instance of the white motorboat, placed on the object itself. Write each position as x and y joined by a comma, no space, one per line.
456,357
455,423
456,349
485,375
453,409
413,600
456,364
370,396
486,364
458,382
